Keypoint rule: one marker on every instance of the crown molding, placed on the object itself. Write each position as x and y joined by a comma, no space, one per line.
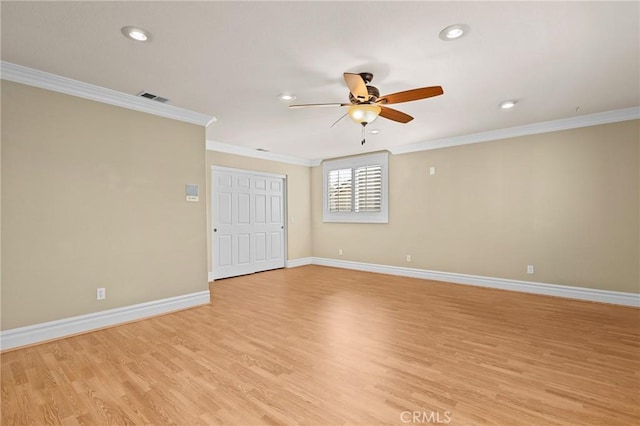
263,155
45,80
56,83
614,116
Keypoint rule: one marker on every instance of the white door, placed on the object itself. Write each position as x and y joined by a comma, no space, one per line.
247,215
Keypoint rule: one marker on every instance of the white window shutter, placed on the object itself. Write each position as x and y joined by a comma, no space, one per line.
368,188
356,189
340,188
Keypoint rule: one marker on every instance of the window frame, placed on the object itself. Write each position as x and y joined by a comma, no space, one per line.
352,163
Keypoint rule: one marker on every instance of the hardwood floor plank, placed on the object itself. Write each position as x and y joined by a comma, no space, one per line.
316,345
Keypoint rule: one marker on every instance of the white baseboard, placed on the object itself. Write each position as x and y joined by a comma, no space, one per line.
28,335
302,261
211,277
31,334
570,292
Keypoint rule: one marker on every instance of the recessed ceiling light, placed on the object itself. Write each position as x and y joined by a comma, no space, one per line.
136,33
508,104
286,97
374,131
453,32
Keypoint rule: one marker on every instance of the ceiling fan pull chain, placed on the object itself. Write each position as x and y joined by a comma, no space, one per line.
363,141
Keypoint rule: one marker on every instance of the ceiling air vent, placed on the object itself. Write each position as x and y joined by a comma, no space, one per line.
153,97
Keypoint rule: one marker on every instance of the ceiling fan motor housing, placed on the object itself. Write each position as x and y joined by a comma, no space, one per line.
374,94
367,77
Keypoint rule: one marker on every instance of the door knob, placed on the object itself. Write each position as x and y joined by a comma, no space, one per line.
215,229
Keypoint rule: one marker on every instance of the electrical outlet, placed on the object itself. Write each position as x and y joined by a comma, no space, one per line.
101,294
530,269
432,170
339,252
408,258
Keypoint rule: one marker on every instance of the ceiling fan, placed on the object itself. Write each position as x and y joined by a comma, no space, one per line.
366,104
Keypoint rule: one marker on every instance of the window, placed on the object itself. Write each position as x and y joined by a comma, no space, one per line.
355,189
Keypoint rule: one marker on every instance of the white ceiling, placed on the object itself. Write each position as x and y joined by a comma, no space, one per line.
232,59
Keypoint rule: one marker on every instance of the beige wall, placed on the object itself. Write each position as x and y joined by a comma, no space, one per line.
566,202
298,198
93,196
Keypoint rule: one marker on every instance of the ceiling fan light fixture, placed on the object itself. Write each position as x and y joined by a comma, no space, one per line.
364,113
453,32
136,33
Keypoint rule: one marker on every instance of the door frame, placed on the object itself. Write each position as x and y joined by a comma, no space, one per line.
285,219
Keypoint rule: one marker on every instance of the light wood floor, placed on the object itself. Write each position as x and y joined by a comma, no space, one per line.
316,345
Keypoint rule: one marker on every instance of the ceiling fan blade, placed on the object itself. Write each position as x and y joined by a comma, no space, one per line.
317,105
356,85
336,122
411,95
395,115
